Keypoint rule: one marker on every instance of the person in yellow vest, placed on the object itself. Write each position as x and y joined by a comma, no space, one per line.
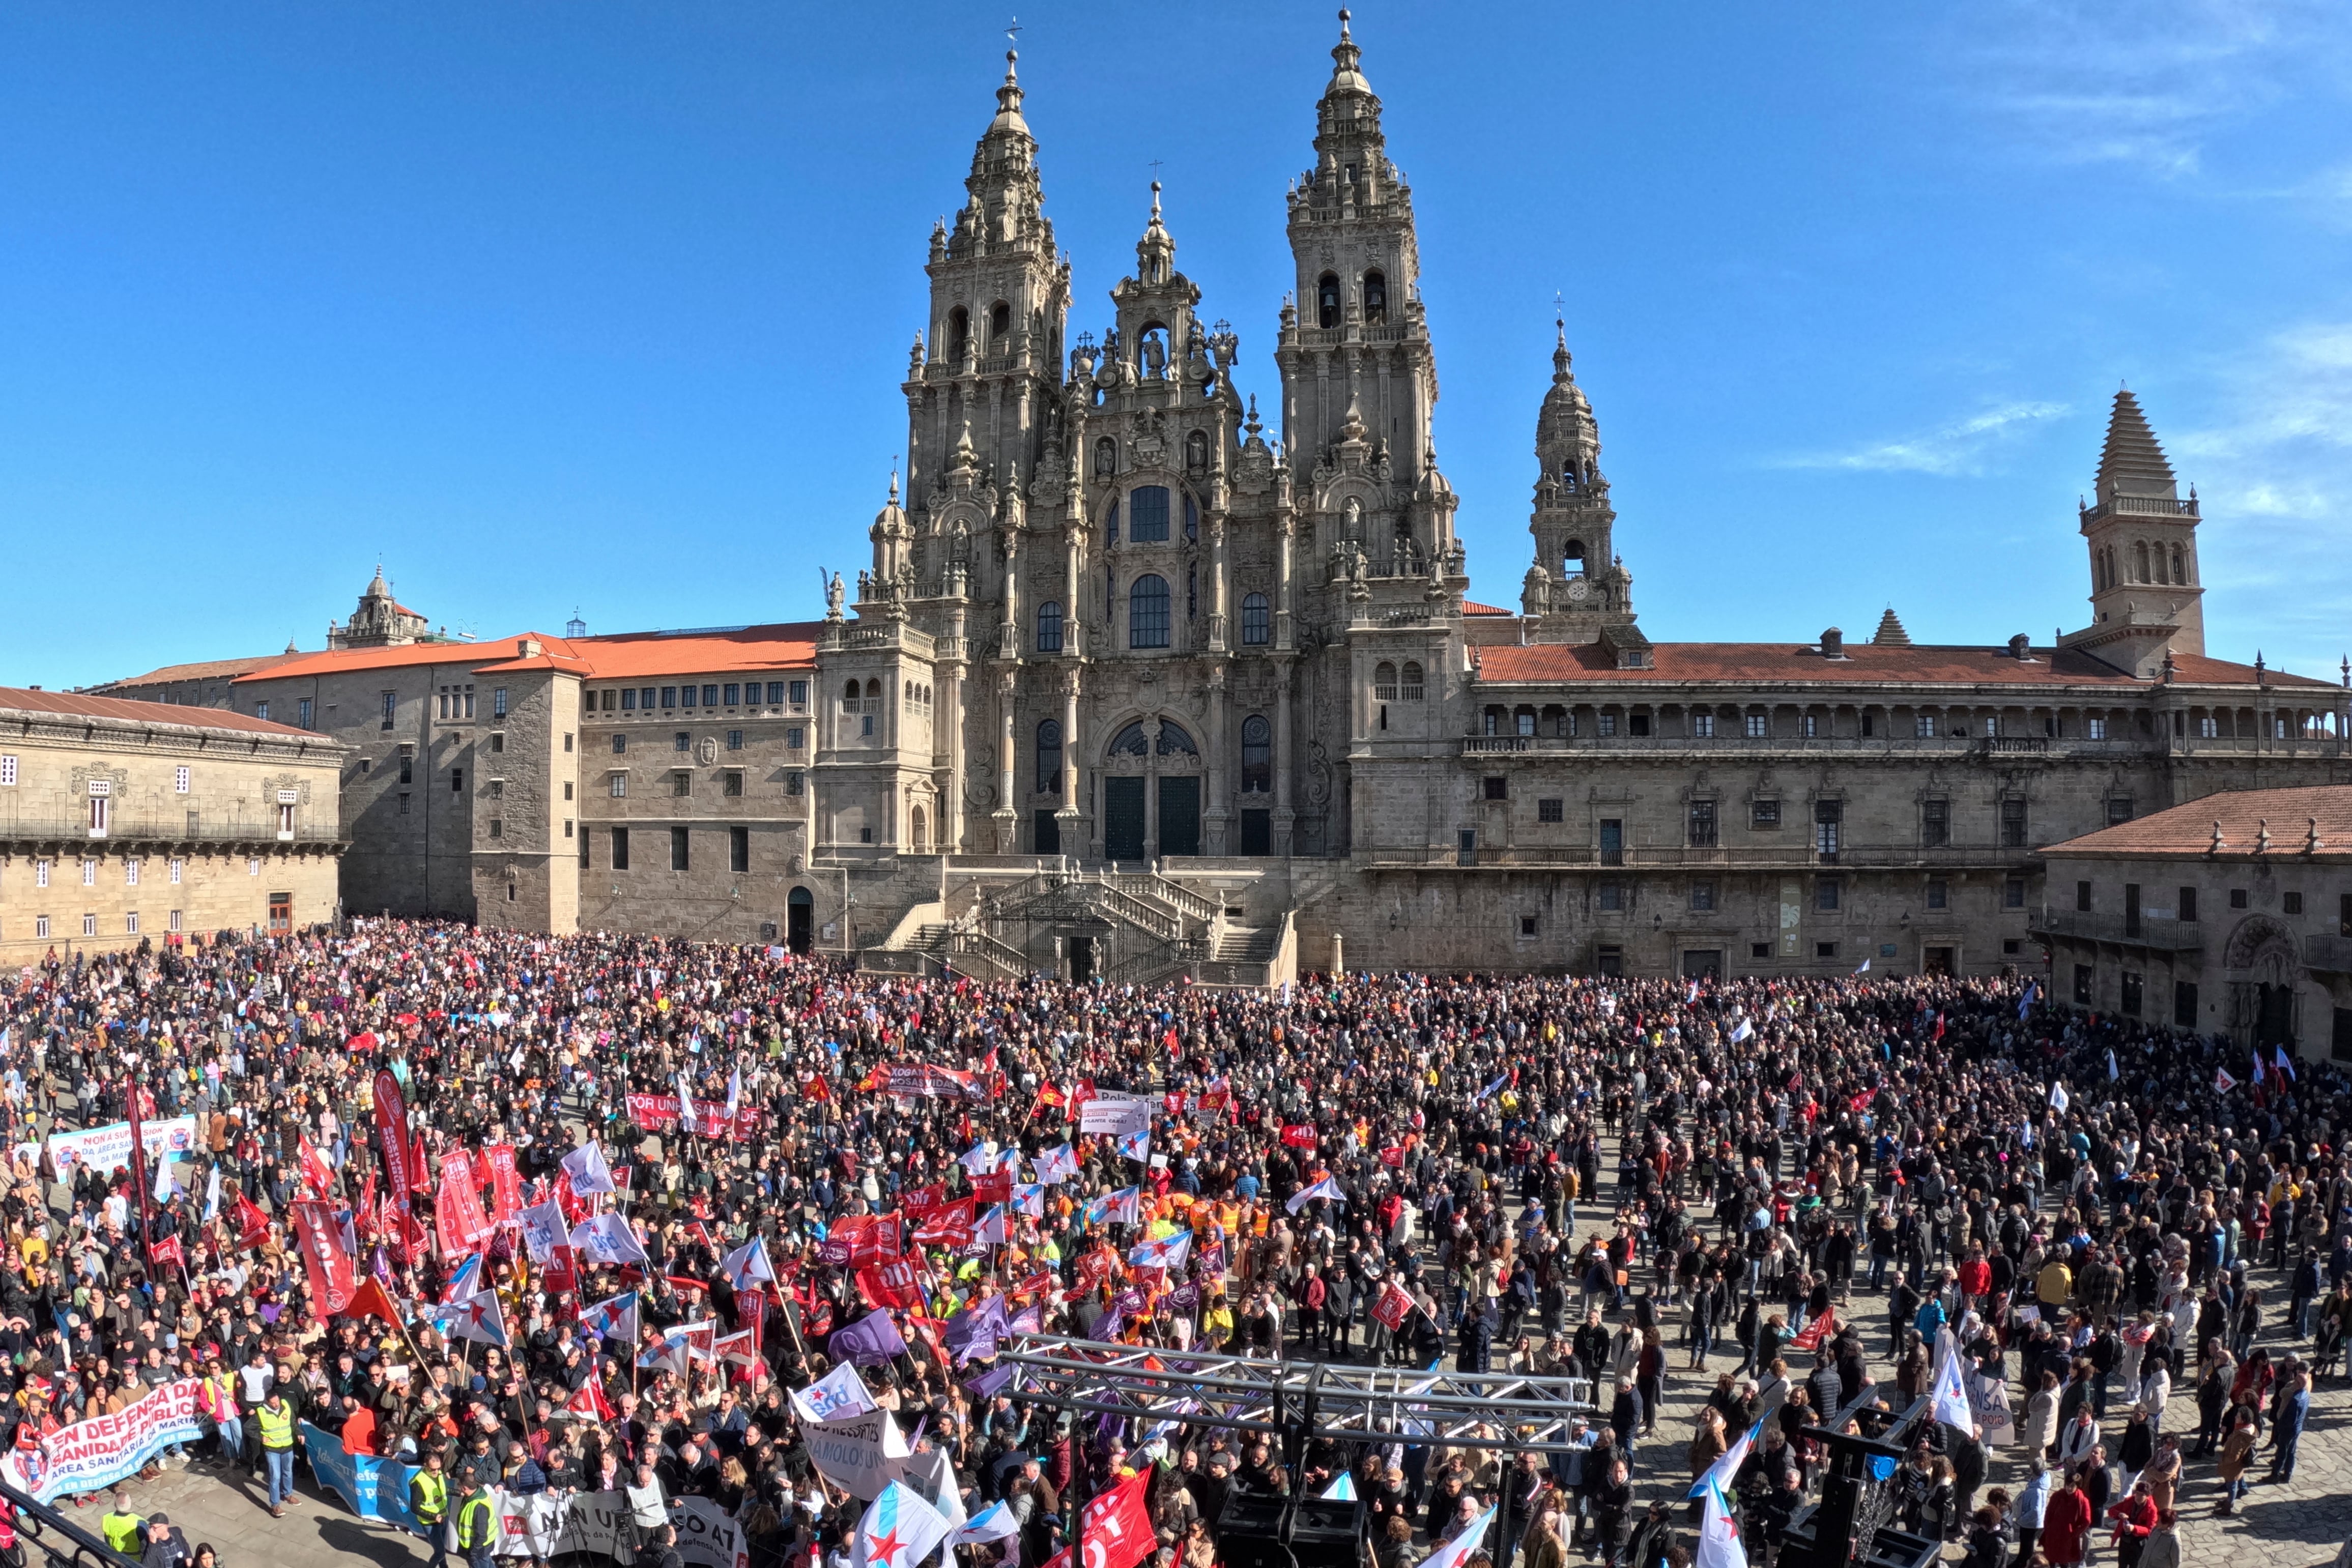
428,1500
477,1522
122,1528
276,1418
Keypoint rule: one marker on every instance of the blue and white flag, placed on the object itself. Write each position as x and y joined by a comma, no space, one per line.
1488,1093
1718,1476
994,1523
606,1238
978,1159
1325,1185
1167,1253
1342,1487
589,1173
734,1091
1463,1547
1865,967
1029,1199
1951,1390
900,1529
614,1318
2025,1002
836,1396
2058,1100
748,1267
1741,1030
480,1320
1136,1146
1113,1207
993,1226
1719,1545
542,1230
1056,1165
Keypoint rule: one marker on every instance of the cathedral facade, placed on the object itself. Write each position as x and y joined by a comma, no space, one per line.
1155,672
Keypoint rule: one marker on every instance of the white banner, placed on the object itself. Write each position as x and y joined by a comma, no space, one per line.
861,1454
705,1537
96,1453
107,1149
1115,1113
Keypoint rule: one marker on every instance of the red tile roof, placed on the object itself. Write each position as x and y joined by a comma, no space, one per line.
2188,829
204,670
1864,664
1472,607
629,655
177,716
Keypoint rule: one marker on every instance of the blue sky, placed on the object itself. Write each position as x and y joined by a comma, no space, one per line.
605,306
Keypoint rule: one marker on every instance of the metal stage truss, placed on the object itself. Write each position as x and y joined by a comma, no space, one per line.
1297,1400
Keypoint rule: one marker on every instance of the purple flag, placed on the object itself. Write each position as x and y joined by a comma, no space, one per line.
975,1330
869,1341
988,1385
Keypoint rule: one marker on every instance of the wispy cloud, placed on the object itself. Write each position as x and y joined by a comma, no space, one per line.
1962,447
2275,472
2086,81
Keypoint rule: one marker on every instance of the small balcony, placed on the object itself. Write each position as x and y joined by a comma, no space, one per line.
2120,930
2332,954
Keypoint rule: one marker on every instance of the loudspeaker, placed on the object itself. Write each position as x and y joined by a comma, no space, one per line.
1325,1534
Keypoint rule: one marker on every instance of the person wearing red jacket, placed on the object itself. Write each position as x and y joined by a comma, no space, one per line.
2135,1520
2066,1525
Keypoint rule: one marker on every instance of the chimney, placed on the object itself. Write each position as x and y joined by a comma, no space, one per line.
527,648
2020,648
1832,643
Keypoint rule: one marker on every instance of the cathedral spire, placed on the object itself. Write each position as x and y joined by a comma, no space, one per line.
2132,463
1155,253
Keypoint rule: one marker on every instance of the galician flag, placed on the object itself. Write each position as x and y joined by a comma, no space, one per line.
1952,1405
1325,1185
1719,1474
1463,1547
1342,1487
1166,1252
748,1267
1718,1535
900,1529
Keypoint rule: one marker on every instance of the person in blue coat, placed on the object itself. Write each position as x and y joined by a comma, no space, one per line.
2294,1409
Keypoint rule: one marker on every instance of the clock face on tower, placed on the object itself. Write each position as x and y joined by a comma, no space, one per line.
1579,590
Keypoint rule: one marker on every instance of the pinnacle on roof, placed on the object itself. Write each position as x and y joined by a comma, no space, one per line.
2131,463
1157,246
1008,99
1890,632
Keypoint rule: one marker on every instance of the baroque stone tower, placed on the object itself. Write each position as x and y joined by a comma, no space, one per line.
2141,533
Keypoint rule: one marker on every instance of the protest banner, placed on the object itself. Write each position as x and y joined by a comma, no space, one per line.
658,1113
91,1454
861,1454
705,1537
372,1487
1113,1112
107,1149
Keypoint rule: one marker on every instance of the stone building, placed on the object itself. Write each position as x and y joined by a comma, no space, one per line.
129,822
2227,915
1155,671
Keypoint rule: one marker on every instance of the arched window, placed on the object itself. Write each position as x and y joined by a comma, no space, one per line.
1174,739
959,334
1146,611
1049,758
1384,681
1257,755
1572,557
1106,457
1049,627
1196,455
1376,298
1326,301
849,703
1129,742
874,697
918,830
2140,561
1000,327
1146,514
2179,574
1253,619
1409,686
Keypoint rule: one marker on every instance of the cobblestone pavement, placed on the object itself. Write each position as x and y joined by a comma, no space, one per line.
2301,1524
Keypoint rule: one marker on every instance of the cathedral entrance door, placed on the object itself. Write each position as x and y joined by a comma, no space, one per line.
1179,815
1123,818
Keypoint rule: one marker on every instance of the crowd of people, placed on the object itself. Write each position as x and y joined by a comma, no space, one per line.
1675,1189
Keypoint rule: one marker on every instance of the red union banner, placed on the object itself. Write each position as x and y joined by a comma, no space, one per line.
330,1267
862,1239
506,1184
457,1214
392,1139
1117,1527
921,1079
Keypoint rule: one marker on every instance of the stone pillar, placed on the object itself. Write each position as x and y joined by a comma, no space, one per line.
1067,814
1008,639
1338,955
1283,815
1218,630
1282,533
1219,783
1074,591
1151,789
1007,815
950,715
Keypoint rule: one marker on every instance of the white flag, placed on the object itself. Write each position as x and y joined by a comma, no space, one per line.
1719,1545
900,1529
748,1267
1463,1547
1952,1406
589,1173
606,1238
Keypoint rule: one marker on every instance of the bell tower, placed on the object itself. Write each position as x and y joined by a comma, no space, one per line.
1576,578
999,295
2141,533
1356,340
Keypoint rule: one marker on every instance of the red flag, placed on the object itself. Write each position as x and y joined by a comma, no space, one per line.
562,1273
252,1224
814,1089
506,1184
457,1217
168,1250
1116,1527
330,1267
420,1170
373,1300
992,1187
1815,1334
590,1401
1392,1306
891,1284
317,1174
919,1201
392,1140
1302,1136
949,1225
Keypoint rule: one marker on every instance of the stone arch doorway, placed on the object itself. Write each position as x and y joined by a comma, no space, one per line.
800,920
1151,791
